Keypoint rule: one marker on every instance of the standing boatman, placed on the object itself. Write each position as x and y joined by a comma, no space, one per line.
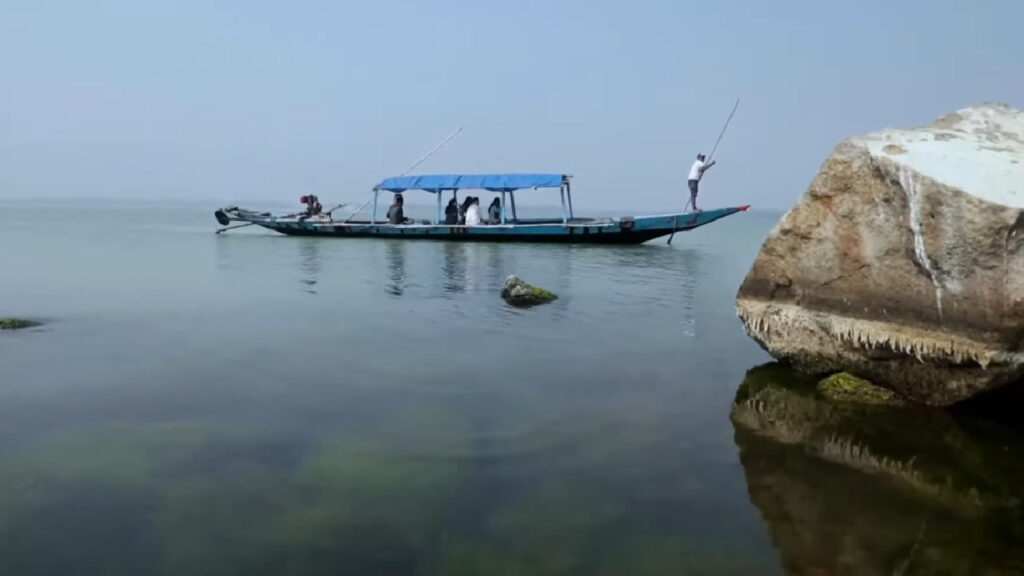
696,173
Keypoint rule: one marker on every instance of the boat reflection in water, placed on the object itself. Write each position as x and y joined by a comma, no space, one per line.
310,264
847,489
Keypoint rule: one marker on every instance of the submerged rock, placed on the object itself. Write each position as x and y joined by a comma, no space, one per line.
17,323
845,387
519,293
904,261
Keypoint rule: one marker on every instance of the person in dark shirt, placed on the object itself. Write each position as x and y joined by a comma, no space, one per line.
451,212
494,212
313,206
395,213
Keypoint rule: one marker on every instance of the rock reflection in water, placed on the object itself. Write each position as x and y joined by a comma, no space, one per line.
847,489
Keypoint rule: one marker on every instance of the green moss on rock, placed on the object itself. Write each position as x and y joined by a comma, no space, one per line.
845,387
16,323
519,293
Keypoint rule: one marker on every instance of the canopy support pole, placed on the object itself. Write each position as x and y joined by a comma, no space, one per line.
568,193
438,219
512,196
373,217
503,207
565,214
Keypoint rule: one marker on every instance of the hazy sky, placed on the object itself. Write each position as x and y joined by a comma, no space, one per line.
250,101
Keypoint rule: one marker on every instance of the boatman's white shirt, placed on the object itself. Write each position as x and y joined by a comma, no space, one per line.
695,170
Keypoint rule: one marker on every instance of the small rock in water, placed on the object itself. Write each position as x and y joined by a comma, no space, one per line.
845,387
16,323
519,293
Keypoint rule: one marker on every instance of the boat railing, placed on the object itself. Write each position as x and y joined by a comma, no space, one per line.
504,184
509,222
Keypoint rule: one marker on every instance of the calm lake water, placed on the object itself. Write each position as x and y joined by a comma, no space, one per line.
251,404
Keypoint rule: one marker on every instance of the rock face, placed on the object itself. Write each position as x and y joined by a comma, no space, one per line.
519,293
904,261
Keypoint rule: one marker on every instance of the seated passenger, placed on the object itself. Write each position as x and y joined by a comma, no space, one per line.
313,206
451,212
464,208
473,212
494,212
395,213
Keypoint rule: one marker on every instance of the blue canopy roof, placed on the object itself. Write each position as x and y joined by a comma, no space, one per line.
493,182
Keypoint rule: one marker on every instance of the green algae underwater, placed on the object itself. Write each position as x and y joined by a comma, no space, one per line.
842,489
192,499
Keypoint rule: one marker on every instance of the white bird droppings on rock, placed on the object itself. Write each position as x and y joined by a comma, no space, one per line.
976,149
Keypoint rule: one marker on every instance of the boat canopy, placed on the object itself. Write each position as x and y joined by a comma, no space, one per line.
436,183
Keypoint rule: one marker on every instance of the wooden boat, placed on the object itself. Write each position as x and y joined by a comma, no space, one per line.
567,229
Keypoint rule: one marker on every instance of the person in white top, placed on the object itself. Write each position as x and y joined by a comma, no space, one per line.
473,213
696,173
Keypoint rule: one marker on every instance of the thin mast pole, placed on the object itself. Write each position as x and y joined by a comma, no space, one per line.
409,169
431,153
722,133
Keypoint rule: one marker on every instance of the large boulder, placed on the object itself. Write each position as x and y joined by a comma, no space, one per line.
904,261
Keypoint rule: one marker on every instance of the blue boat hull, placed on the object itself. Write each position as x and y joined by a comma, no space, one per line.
606,231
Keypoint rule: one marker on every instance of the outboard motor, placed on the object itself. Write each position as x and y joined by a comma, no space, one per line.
221,217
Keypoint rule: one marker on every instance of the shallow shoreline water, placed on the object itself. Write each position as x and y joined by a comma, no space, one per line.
250,404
